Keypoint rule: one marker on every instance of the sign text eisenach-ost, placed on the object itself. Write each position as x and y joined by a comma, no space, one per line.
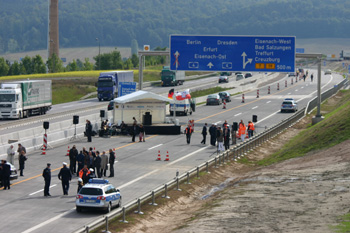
233,53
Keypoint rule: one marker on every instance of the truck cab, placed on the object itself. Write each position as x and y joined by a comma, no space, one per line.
11,101
185,107
106,87
172,78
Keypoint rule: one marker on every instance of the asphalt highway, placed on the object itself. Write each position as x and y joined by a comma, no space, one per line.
25,209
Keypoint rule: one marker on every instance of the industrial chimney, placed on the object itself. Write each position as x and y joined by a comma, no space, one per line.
53,41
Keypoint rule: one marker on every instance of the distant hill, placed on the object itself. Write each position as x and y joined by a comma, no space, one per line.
23,24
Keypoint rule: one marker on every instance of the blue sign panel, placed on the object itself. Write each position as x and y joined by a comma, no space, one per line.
232,53
300,50
125,88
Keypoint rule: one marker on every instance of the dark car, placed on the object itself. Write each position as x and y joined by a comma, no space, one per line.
110,105
248,75
223,79
291,74
224,95
213,99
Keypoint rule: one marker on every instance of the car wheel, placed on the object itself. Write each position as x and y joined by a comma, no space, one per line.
109,208
185,113
120,202
78,209
191,113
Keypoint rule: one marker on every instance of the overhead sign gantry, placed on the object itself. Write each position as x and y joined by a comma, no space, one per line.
232,53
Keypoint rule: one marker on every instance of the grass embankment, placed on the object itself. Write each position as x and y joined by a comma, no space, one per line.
208,91
334,129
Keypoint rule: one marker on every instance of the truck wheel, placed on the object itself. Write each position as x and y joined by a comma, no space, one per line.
20,115
171,113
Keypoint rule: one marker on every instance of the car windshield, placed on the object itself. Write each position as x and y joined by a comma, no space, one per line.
91,191
222,94
212,97
287,102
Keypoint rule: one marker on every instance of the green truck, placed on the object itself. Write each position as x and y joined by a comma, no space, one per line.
20,99
172,78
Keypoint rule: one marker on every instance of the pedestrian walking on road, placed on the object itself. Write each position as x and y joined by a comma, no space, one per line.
141,133
251,129
204,133
47,179
242,130
10,154
65,176
111,163
104,163
22,159
5,172
73,153
212,132
188,132
135,131
312,77
227,133
88,130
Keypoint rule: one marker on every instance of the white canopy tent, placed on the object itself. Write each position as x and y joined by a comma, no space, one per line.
137,104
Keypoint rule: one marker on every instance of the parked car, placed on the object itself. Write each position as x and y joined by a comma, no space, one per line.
223,79
248,75
328,71
225,73
213,99
239,77
224,95
289,104
110,105
98,194
13,174
238,72
291,74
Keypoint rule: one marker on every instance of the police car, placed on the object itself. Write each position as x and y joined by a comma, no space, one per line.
98,193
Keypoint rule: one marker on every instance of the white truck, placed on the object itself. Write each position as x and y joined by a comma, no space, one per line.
19,99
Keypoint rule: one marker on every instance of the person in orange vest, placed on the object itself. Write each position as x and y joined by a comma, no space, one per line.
242,130
84,174
250,129
188,132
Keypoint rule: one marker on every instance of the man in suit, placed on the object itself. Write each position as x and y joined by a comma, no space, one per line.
204,133
65,176
47,178
6,172
111,163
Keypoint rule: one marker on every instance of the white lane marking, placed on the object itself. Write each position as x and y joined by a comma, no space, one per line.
137,179
194,152
296,90
41,190
154,147
268,102
217,122
238,114
289,93
302,87
48,221
255,107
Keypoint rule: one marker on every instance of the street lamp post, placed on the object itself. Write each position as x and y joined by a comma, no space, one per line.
99,53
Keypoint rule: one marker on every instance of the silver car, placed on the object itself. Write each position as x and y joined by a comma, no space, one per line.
328,72
289,105
98,194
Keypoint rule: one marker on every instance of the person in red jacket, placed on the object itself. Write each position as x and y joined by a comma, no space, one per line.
188,132
250,129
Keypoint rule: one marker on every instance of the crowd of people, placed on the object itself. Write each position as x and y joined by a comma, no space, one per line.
220,135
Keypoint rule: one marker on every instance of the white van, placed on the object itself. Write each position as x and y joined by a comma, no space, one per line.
184,107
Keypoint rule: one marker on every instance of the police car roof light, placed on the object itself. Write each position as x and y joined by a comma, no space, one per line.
98,181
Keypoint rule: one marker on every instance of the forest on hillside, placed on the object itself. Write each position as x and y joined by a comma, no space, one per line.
24,26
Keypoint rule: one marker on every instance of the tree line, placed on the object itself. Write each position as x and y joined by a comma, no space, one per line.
105,61
23,24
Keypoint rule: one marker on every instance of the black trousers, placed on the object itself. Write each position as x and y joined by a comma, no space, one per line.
111,170
47,187
73,166
21,168
212,140
188,138
204,138
98,172
6,182
89,137
65,186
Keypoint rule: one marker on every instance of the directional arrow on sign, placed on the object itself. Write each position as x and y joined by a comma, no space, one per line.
210,65
246,62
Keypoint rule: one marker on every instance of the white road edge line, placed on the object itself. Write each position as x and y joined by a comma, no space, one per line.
186,156
154,147
217,122
238,114
268,102
255,107
137,179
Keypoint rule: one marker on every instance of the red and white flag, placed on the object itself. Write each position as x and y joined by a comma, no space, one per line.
183,95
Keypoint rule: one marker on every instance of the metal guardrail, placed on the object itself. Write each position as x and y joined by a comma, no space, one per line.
233,154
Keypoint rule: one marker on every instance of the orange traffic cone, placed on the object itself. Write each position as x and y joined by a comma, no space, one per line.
67,152
167,156
158,158
43,152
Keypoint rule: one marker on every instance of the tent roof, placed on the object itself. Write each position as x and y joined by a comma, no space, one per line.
138,95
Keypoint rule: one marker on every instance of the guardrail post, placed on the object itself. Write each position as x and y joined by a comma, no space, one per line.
87,229
188,178
166,192
138,211
215,162
107,231
123,220
207,167
220,161
153,199
223,157
177,184
198,172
